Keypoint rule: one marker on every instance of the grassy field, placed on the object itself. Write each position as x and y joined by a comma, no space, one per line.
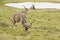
7,1
45,27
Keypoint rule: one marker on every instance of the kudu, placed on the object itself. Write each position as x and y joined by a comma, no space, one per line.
20,17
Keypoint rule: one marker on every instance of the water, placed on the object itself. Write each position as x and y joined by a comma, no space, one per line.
38,5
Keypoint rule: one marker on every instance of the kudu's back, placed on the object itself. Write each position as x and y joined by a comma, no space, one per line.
16,17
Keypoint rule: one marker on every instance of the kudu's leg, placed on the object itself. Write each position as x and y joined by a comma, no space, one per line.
13,22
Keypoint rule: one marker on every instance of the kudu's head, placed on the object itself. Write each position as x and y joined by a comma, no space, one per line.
29,26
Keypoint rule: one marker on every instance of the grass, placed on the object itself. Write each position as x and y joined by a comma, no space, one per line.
45,27
9,1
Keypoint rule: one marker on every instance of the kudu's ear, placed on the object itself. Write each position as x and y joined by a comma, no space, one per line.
25,8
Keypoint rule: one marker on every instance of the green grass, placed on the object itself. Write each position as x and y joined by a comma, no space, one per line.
45,27
9,1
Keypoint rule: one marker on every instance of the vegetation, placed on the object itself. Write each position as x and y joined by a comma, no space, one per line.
45,27
7,1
